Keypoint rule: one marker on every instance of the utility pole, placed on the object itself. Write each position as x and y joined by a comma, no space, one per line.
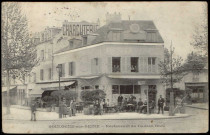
171,107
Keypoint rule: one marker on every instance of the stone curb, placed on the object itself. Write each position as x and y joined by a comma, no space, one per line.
197,107
79,119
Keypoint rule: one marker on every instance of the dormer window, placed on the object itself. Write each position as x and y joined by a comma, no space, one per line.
71,43
84,40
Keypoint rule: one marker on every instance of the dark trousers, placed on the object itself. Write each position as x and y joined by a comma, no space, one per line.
160,107
33,116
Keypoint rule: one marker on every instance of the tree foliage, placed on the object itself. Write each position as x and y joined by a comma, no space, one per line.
92,95
200,36
194,63
18,52
166,70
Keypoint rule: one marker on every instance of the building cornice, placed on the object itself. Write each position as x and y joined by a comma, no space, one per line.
109,43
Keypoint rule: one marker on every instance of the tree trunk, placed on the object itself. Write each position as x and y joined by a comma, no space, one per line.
8,95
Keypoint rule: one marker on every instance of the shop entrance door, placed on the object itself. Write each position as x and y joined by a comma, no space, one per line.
152,93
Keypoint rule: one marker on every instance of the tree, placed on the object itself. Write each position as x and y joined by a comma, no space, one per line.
18,52
172,72
68,95
194,63
171,69
200,36
92,95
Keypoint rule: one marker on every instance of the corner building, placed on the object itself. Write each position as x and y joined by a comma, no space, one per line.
120,57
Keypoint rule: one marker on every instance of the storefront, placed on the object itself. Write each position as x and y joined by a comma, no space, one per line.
198,91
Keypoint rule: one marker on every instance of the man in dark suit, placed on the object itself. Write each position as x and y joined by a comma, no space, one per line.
160,104
120,99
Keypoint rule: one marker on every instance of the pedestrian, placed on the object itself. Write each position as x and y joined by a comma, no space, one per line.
161,104
33,110
96,107
134,105
139,105
74,108
152,106
101,107
125,103
70,108
120,99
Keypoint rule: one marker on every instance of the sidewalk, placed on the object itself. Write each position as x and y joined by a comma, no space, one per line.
24,114
203,106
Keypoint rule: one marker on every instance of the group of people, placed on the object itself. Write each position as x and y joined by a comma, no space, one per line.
141,107
100,106
68,110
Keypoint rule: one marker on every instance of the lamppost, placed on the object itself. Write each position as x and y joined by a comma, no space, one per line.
59,67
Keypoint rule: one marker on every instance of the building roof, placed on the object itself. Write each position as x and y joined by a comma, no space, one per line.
101,34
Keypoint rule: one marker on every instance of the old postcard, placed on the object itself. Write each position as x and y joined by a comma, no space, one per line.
104,67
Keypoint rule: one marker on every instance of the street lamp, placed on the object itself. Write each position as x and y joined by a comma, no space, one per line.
59,68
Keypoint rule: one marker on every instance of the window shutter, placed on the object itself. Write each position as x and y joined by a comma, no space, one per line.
74,68
70,68
92,66
109,64
157,65
99,65
145,64
128,63
123,65
141,64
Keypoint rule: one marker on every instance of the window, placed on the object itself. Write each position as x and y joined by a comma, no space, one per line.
85,87
151,64
41,74
96,61
116,36
195,77
84,40
71,43
134,64
115,64
34,77
151,36
63,70
49,74
96,87
126,89
137,89
115,89
42,54
71,68
49,53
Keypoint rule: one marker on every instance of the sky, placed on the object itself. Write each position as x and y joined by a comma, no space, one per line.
176,21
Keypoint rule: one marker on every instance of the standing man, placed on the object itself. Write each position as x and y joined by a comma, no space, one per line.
160,104
33,110
120,99
139,105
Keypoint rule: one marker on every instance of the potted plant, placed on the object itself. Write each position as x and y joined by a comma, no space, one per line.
89,97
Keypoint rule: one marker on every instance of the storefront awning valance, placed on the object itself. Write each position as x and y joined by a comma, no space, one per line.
135,76
63,85
36,93
89,77
4,89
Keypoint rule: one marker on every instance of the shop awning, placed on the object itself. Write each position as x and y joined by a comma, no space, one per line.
135,76
88,77
62,86
36,93
4,89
